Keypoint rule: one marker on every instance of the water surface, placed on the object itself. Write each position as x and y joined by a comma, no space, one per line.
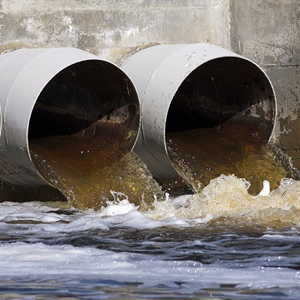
176,250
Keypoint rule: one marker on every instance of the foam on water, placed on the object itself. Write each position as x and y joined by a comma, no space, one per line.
227,197
169,249
47,260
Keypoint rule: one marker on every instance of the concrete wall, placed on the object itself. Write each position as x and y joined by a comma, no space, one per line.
266,31
112,28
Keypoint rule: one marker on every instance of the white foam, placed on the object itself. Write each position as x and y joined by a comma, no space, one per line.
119,208
225,196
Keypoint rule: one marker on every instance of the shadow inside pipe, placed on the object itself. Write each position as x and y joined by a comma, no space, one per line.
220,91
219,122
80,100
82,129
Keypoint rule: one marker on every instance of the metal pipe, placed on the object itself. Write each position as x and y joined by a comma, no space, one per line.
60,91
202,85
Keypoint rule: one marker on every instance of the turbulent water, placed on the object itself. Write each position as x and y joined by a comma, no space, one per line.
191,246
118,236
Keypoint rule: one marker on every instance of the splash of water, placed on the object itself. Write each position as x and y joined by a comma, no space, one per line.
227,202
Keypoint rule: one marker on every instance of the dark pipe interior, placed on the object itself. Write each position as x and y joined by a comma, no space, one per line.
221,91
220,119
85,119
87,99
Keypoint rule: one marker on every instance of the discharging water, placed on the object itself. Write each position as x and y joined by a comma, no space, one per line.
118,235
220,243
223,242
89,172
200,155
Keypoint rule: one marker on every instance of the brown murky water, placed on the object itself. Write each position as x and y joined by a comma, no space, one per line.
200,155
89,172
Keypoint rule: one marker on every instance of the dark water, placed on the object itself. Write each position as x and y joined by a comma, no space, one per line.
50,251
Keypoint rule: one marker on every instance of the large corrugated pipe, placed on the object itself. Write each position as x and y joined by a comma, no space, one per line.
195,85
60,92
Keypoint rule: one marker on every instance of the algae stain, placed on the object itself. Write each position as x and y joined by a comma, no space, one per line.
8,47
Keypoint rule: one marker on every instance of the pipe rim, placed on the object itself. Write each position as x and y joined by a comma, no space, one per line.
18,142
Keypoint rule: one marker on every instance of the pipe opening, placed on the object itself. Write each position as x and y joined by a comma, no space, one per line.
222,113
86,118
87,100
224,91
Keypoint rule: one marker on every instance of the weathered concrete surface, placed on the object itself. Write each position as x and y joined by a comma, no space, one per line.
266,31
112,28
